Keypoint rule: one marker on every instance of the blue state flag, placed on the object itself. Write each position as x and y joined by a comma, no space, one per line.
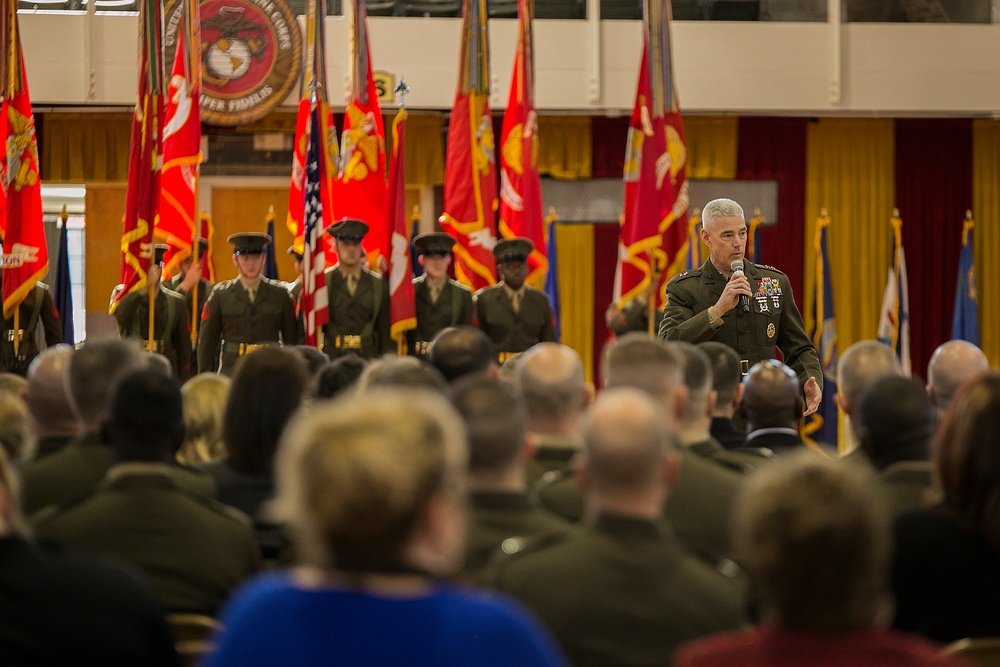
822,426
63,291
965,321
551,280
270,263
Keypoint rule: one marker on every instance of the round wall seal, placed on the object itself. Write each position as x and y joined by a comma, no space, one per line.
251,53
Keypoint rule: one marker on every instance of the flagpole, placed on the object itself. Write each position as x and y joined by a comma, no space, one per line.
401,90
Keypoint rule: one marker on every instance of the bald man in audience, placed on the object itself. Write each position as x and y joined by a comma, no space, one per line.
693,429
950,366
703,496
622,590
555,392
857,368
93,374
772,406
727,383
463,350
895,424
499,449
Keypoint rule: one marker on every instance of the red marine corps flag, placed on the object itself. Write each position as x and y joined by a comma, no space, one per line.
142,193
654,225
402,310
313,95
181,145
470,191
520,185
25,257
361,186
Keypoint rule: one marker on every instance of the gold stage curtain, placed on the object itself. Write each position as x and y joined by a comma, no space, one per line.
85,147
986,212
564,149
711,146
850,172
575,273
424,149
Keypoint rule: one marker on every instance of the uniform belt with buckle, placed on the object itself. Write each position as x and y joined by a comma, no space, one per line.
246,348
347,342
504,357
745,366
422,348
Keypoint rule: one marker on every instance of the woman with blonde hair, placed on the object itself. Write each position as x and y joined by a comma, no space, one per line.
372,489
204,403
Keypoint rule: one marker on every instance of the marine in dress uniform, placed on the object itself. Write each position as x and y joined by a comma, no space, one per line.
183,282
171,323
246,312
358,299
36,309
440,302
516,316
704,304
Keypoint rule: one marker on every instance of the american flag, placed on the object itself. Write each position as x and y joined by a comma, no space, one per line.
314,299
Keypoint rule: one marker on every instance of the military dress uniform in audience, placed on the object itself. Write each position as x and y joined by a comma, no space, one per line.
772,407
621,590
514,315
245,313
727,383
171,328
439,301
38,328
358,299
193,549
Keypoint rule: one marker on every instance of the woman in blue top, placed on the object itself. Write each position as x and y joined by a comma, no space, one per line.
373,490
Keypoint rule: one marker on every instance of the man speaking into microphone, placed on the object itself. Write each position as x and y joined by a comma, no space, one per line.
747,306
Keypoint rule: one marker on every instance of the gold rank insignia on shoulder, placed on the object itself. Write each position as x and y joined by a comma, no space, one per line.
770,330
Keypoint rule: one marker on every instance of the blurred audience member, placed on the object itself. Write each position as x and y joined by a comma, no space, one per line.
18,437
204,399
857,368
728,387
47,400
373,488
952,364
772,407
461,350
338,376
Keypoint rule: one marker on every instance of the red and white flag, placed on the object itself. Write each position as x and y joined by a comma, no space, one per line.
402,310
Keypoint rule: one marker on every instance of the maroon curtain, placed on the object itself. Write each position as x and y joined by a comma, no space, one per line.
605,264
933,192
608,141
775,148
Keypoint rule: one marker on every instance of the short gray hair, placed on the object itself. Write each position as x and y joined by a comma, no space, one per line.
721,208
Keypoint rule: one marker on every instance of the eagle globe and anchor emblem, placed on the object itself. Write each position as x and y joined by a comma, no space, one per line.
250,52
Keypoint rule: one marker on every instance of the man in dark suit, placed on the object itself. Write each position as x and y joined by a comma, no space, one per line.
358,298
246,312
193,549
440,302
171,330
514,315
772,406
498,451
621,590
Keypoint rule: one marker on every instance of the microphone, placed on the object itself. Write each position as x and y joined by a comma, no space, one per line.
737,268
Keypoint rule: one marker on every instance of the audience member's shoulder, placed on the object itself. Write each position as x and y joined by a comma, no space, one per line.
516,551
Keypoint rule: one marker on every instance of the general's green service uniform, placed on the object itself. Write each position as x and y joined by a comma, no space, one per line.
36,309
232,324
171,329
773,321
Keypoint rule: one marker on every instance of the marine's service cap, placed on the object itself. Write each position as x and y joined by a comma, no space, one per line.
249,243
294,253
513,249
434,243
202,246
348,229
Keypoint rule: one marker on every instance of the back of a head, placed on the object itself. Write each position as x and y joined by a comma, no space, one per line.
314,358
894,421
17,428
968,460
12,383
697,379
552,382
339,376
638,361
12,520
462,350
860,365
355,476
268,387
726,372
45,394
93,374
494,417
951,365
145,419
407,373
204,398
771,396
814,535
625,440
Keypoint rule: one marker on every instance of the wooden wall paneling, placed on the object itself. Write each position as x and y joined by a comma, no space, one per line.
245,210
104,206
